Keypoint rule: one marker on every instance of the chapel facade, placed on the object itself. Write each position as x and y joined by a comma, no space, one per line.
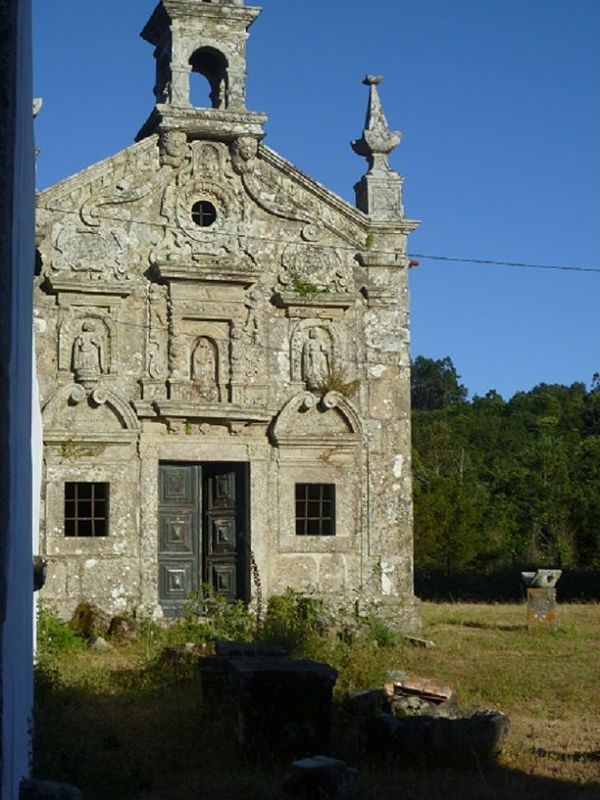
223,356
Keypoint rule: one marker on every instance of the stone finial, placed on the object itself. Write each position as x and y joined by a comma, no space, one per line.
379,192
377,141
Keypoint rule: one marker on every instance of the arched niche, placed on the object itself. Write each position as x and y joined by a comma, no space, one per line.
325,335
209,79
71,328
204,368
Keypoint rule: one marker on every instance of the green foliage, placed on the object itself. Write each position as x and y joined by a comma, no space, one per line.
502,482
434,384
337,380
209,617
55,637
294,621
306,288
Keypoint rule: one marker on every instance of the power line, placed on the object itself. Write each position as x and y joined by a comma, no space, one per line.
494,263
340,247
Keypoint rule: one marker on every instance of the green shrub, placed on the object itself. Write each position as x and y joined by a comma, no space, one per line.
55,637
295,621
209,617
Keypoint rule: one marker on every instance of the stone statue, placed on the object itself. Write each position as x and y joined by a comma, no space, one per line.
315,360
87,352
174,148
243,153
204,368
178,353
251,326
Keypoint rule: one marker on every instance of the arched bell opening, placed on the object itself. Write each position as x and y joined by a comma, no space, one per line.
211,65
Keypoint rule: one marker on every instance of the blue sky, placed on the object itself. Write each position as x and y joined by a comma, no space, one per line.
499,103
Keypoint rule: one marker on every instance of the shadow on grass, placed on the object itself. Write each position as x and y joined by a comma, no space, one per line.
149,738
484,626
580,757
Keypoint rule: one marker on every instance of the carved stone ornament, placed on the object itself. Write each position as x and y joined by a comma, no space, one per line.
178,353
279,196
314,266
305,420
97,252
205,369
76,395
157,338
88,354
315,352
243,153
174,149
136,175
316,358
252,325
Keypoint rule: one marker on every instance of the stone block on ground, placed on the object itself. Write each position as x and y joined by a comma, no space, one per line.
366,703
320,777
281,705
100,645
438,740
47,790
89,621
249,650
123,629
541,608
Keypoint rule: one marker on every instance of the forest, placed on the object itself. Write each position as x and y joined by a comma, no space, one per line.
499,483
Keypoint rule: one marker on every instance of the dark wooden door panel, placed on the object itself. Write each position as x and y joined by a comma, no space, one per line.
225,523
177,485
179,543
202,532
176,533
176,582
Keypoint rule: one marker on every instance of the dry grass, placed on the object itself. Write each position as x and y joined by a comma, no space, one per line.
126,725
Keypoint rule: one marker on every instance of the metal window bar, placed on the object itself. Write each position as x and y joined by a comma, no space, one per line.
315,509
86,509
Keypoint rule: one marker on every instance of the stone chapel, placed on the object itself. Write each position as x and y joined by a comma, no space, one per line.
223,356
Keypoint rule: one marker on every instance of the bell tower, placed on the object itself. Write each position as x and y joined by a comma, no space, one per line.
205,38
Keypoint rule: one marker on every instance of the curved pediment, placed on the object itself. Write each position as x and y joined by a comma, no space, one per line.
308,420
77,412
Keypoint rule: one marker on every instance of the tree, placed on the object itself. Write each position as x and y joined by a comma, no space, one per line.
435,384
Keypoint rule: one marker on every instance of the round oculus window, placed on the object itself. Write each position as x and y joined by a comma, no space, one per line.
204,214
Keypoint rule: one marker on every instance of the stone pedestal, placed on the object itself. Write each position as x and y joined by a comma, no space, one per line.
541,608
281,705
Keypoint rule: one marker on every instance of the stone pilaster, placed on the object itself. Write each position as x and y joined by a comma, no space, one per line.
388,556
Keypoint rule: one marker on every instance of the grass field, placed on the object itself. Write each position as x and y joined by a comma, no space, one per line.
128,723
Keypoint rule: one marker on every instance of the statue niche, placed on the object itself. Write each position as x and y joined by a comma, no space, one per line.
316,358
205,369
88,354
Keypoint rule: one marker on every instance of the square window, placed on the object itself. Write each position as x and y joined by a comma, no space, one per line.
315,509
86,509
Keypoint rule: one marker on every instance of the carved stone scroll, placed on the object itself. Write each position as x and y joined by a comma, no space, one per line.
157,338
315,266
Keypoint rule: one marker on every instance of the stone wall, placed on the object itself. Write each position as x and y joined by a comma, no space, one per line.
202,302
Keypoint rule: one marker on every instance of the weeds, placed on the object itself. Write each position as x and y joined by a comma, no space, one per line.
129,723
337,380
305,288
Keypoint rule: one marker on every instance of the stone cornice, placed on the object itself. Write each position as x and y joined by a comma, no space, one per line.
230,273
170,9
209,123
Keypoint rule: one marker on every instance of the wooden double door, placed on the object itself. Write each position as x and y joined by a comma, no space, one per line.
203,532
